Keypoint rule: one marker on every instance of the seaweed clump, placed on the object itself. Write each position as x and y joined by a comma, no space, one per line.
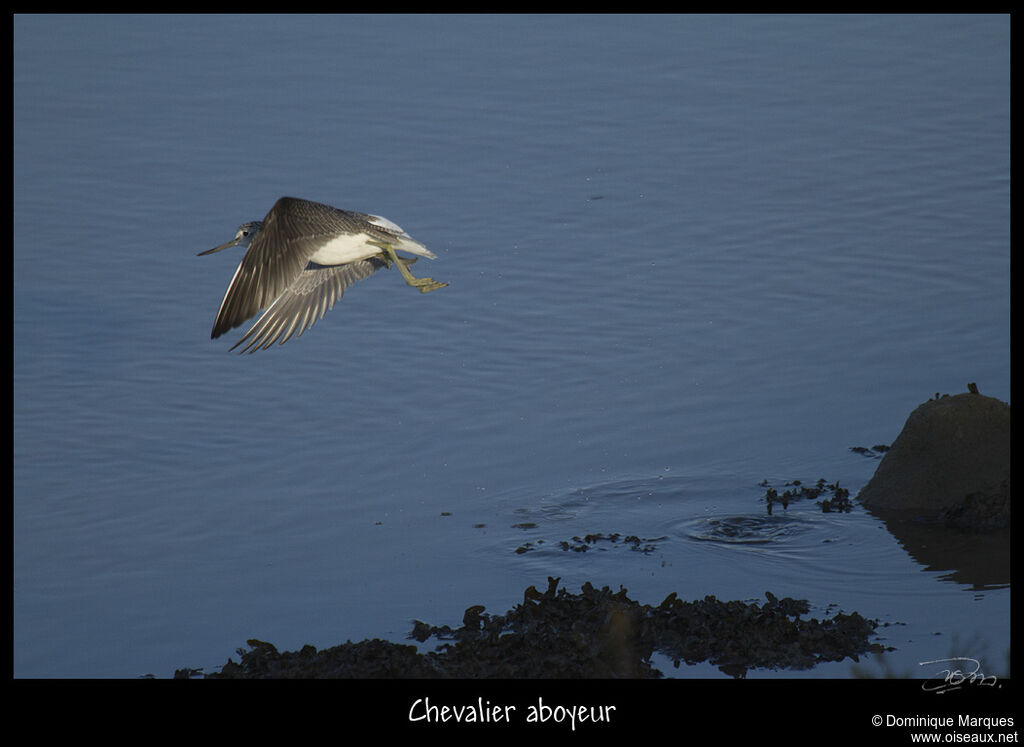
595,634
600,541
839,502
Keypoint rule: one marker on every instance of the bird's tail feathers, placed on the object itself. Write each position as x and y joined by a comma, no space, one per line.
406,243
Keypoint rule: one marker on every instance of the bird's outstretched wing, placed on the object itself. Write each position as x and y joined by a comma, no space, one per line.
306,300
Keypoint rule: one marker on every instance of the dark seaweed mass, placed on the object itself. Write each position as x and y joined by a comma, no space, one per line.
597,633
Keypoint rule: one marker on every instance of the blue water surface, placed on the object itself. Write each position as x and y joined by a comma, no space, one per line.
685,254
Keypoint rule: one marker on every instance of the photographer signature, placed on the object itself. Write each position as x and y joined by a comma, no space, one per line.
961,671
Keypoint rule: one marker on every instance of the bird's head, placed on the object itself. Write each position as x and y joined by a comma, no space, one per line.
246,233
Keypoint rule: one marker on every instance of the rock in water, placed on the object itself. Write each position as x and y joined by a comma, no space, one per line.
952,459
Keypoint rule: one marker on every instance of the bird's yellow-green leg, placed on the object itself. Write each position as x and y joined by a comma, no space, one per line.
424,284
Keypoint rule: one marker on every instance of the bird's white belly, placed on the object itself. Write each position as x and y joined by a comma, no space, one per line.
342,249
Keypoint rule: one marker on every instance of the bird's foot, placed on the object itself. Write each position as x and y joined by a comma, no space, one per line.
426,284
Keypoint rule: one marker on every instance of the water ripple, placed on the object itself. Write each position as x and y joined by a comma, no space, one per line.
746,530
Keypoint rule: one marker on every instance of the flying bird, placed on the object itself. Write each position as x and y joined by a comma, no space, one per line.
298,261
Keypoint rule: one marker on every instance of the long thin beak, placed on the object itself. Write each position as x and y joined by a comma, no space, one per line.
222,247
